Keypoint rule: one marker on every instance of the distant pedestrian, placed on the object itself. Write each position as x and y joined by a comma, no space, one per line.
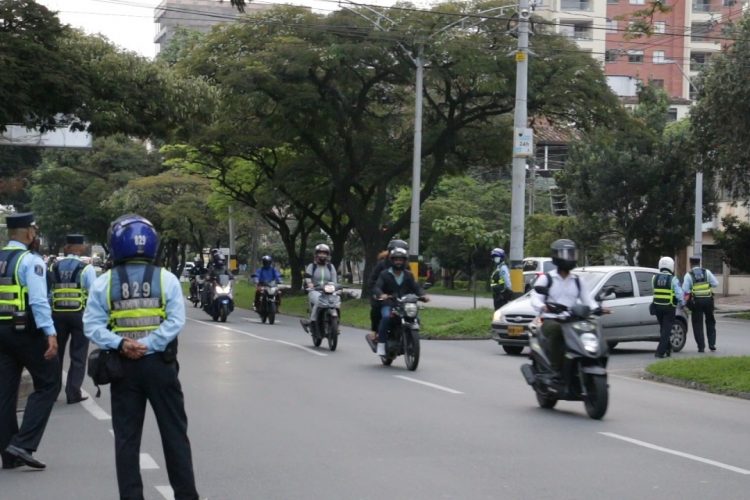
70,281
27,340
667,296
138,309
429,276
699,282
500,279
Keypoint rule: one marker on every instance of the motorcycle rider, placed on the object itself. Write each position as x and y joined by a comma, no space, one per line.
216,267
563,288
317,273
500,279
197,270
375,305
263,275
667,294
395,281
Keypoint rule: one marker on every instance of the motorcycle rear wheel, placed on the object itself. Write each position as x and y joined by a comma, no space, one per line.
333,333
597,395
386,360
411,349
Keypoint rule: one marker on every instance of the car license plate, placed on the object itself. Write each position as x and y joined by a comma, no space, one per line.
514,330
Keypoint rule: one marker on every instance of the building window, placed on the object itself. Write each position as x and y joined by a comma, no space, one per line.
658,57
699,60
611,56
575,5
611,26
613,1
635,56
657,83
712,259
729,3
660,27
671,114
701,5
699,31
636,2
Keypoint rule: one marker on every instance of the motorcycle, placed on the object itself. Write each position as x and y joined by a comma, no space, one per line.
403,334
196,289
269,297
329,312
220,298
584,375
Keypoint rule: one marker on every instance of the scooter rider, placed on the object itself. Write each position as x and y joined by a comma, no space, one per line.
564,288
395,281
375,304
500,279
263,275
318,273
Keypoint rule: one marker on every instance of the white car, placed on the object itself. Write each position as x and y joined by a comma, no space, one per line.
533,267
631,293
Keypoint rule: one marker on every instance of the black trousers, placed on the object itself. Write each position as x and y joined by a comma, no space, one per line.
19,350
665,315
704,307
375,306
498,297
69,326
150,379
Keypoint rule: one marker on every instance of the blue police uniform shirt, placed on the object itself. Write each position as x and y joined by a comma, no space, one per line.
267,274
687,282
679,294
96,315
88,275
32,273
505,274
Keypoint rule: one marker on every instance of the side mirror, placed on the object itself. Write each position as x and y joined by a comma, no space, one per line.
606,294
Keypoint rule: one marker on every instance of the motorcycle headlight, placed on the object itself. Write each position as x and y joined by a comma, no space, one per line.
411,310
272,291
590,342
329,288
223,290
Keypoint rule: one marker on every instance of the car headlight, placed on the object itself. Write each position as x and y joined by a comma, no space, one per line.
590,342
584,326
497,317
411,310
329,288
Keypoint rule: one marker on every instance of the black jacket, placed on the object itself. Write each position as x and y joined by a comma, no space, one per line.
386,284
381,266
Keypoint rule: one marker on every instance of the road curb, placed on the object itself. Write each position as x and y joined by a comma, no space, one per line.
691,384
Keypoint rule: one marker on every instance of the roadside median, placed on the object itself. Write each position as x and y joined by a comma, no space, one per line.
729,376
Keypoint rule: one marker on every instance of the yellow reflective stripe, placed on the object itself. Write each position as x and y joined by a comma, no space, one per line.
18,302
138,313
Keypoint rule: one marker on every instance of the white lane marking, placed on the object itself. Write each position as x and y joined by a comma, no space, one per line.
166,492
90,405
258,337
429,384
148,463
677,453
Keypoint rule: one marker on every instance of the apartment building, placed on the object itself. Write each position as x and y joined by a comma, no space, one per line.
198,15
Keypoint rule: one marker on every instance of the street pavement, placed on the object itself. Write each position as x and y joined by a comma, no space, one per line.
272,417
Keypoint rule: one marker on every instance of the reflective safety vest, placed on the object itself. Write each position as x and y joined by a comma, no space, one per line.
663,292
14,298
701,286
497,279
68,295
137,305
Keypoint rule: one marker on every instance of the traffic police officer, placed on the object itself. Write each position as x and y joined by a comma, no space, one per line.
667,295
138,309
27,340
70,281
500,279
699,282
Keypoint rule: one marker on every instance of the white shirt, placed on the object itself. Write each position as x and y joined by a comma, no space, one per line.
563,291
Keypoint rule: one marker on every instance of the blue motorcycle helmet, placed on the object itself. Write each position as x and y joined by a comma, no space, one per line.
132,237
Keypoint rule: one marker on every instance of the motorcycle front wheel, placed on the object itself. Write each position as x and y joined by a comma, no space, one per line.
597,395
223,313
332,333
271,313
411,349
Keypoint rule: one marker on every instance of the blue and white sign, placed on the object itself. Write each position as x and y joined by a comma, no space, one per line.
523,142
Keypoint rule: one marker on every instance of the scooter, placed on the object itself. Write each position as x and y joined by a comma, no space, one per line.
584,374
327,320
221,298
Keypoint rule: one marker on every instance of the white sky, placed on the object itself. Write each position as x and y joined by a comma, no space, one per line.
130,23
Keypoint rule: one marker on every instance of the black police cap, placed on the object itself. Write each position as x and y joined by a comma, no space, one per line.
74,239
18,221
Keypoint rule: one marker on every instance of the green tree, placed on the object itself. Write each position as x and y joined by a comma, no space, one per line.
734,241
343,102
70,190
721,118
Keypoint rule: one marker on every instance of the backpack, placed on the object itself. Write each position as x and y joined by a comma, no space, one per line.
575,278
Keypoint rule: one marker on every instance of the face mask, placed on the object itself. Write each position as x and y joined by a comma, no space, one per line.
497,260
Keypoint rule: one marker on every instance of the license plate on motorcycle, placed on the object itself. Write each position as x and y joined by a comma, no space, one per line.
515,330
225,301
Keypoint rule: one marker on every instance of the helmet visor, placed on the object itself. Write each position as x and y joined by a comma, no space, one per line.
570,254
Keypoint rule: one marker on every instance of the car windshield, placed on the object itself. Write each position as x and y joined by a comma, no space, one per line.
590,278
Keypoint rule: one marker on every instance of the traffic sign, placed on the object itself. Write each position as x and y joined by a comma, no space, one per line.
523,142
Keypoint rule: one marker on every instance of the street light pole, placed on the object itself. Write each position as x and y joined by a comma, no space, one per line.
416,182
520,118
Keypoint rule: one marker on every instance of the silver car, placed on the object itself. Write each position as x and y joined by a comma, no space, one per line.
629,300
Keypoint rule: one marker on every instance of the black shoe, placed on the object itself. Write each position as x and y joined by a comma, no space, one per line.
712,347
11,462
305,325
701,349
657,355
78,400
24,456
371,343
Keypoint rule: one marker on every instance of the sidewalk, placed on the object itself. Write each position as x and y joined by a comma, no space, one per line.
732,303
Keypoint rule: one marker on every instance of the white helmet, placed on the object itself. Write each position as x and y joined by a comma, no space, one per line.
666,263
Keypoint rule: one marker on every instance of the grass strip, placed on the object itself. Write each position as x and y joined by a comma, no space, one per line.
742,315
724,375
